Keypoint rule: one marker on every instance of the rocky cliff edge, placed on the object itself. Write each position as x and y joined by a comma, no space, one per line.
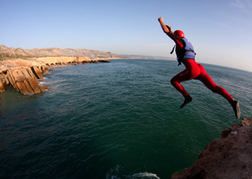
227,157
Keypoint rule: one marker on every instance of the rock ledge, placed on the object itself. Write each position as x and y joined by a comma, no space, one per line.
227,157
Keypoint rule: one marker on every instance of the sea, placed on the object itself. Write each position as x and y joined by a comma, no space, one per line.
118,120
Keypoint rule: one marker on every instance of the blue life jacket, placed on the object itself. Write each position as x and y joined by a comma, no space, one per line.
186,53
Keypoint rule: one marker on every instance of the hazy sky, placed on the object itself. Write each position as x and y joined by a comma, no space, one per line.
220,30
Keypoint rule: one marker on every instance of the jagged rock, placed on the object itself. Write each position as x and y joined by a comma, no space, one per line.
19,79
2,86
23,80
5,79
44,69
28,87
46,87
41,89
11,79
37,72
22,87
104,61
32,80
227,157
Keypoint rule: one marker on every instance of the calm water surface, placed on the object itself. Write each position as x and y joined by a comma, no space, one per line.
115,120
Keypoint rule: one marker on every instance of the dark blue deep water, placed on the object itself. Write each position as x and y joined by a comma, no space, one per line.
118,120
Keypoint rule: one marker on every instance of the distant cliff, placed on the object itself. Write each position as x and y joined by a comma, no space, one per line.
57,52
10,52
227,157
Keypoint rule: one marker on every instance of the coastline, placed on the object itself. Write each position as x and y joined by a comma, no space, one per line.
23,74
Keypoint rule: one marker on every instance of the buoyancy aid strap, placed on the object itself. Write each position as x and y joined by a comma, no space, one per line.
190,51
184,50
173,49
179,62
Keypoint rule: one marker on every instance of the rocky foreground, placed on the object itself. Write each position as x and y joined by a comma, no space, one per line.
22,74
227,157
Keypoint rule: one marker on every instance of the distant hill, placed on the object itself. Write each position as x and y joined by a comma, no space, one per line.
8,52
55,52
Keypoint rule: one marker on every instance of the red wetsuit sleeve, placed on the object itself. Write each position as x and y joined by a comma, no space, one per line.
179,44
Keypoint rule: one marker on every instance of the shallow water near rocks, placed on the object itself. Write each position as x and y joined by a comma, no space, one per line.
115,120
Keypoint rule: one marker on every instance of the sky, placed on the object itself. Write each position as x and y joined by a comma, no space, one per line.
220,30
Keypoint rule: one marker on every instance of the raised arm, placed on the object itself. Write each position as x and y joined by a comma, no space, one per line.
167,29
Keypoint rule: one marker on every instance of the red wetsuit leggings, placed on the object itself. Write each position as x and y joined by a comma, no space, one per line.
196,71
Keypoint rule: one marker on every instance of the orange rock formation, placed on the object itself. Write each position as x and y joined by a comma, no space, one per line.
227,157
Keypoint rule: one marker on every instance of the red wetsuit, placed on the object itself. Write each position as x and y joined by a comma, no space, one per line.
196,71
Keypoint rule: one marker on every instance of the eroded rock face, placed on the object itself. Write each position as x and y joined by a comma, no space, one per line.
22,74
22,79
227,157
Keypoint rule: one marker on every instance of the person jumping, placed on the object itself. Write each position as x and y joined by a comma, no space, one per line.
186,55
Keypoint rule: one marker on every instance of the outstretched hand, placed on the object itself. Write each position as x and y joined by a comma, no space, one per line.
160,19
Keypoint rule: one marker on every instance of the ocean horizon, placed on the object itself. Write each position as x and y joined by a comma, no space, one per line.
118,120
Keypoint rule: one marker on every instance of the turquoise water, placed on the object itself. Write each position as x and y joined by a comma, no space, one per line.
115,120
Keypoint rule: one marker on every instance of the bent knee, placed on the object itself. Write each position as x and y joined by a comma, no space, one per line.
172,81
214,91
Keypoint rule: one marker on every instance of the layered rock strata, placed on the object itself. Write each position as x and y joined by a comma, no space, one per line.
23,79
227,157
22,74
